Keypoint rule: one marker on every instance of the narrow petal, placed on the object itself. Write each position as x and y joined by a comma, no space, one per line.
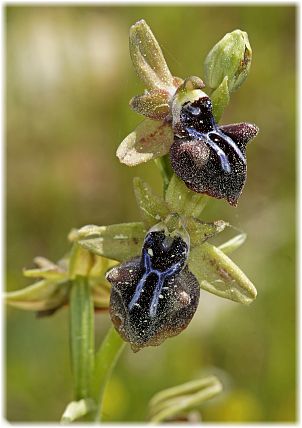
153,104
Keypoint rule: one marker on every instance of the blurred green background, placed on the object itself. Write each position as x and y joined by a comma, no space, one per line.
68,82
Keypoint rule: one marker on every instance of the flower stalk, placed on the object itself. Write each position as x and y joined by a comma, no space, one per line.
165,169
105,361
81,336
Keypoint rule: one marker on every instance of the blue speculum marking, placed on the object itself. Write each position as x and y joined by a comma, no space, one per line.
224,161
161,276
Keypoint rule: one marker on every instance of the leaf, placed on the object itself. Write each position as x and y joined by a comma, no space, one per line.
40,296
147,58
219,275
182,200
220,99
170,402
118,241
153,104
153,208
150,140
200,231
234,243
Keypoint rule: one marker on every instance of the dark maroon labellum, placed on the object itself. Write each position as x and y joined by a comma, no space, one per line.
154,296
209,158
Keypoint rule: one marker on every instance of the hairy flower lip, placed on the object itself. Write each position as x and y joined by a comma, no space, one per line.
154,296
190,160
171,319
209,158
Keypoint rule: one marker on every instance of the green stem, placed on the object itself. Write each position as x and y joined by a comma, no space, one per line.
164,166
81,336
105,360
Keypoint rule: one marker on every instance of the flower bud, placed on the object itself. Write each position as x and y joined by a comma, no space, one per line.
230,57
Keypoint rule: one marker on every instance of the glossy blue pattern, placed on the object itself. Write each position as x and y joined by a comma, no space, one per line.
161,276
232,144
224,161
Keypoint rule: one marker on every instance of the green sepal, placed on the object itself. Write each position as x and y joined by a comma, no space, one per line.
118,241
220,99
40,296
147,58
152,207
151,139
182,200
219,275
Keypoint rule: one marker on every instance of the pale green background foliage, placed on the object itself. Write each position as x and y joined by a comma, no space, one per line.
69,80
